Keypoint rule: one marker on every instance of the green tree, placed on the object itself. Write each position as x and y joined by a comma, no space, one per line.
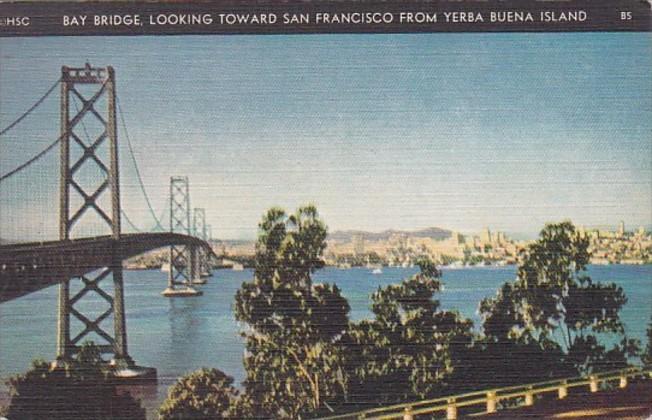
555,311
647,356
203,394
411,347
79,389
292,325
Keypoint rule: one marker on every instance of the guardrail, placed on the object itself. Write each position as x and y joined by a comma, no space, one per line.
489,399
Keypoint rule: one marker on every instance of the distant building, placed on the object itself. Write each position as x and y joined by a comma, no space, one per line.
358,244
485,237
457,238
621,229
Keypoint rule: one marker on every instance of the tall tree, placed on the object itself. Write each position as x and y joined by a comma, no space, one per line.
410,348
293,326
556,310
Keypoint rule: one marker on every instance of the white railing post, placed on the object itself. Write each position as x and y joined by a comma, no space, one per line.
407,413
562,392
491,402
593,383
529,398
451,410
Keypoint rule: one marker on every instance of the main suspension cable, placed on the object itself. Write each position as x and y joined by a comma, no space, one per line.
128,220
133,158
43,152
32,108
32,160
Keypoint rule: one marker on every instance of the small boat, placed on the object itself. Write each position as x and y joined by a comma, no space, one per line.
377,270
165,267
237,267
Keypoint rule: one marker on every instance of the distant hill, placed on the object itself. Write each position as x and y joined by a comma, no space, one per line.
431,232
233,242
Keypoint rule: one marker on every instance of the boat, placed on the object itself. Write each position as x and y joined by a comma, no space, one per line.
237,267
165,267
377,270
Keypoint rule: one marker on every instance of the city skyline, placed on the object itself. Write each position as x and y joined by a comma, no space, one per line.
519,236
378,131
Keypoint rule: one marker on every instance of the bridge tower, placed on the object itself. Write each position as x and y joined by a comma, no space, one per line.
208,237
201,264
181,257
81,200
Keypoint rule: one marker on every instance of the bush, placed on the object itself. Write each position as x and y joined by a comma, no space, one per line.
204,394
81,389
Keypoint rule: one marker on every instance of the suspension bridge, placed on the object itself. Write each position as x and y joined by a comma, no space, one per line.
89,188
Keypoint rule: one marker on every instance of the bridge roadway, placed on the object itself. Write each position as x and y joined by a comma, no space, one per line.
29,267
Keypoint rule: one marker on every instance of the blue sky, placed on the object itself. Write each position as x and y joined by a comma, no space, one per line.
406,131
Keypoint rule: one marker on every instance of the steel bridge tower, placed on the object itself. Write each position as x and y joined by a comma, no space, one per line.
81,200
208,236
201,264
181,258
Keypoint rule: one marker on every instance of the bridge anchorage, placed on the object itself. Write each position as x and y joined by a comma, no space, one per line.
183,259
75,201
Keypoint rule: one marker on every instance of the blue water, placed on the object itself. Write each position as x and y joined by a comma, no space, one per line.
180,335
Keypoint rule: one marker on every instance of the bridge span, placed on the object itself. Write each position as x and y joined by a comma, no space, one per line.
29,267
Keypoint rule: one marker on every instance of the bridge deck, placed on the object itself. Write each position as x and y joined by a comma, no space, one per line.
28,267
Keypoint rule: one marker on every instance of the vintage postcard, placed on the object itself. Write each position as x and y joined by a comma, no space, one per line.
341,209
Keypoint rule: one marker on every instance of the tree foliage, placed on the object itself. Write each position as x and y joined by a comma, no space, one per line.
293,326
79,389
555,311
303,357
203,394
647,356
410,348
